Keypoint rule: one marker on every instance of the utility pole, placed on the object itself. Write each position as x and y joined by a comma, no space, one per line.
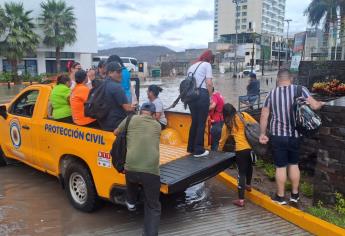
287,39
237,2
279,42
253,53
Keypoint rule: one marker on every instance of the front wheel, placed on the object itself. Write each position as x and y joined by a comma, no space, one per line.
80,188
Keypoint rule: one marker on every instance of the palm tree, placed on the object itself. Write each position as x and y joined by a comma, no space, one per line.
3,22
19,38
59,26
326,10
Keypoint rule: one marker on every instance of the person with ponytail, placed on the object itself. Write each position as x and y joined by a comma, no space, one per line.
152,94
236,128
199,108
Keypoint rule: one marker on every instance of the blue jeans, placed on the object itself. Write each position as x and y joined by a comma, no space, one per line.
216,134
199,111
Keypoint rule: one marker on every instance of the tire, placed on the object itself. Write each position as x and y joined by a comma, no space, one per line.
2,159
80,188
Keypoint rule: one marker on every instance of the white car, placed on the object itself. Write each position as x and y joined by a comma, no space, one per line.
130,63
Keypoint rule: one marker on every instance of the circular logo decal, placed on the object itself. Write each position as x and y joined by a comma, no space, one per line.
15,133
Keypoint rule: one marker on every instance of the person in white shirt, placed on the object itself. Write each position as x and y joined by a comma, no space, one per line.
199,108
152,94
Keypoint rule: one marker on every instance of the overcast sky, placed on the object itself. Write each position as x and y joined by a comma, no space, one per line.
177,24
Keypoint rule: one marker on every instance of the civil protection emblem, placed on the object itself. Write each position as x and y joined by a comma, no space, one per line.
15,133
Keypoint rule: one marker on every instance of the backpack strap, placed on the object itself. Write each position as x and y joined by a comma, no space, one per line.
129,118
242,118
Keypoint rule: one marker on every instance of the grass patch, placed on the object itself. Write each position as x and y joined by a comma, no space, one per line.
268,168
334,215
307,189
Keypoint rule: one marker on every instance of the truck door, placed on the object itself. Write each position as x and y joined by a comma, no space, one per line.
19,133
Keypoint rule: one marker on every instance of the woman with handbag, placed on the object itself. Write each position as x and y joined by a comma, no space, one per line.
201,70
234,122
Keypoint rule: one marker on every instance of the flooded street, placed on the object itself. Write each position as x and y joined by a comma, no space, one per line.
33,203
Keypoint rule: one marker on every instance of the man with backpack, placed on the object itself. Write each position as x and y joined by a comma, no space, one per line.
114,98
142,164
284,137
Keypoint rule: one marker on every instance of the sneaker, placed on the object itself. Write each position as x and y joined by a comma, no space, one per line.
279,200
238,202
130,207
205,154
248,188
294,197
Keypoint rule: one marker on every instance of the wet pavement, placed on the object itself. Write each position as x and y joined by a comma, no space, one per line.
32,203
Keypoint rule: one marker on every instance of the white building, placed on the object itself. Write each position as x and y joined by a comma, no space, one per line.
260,16
43,60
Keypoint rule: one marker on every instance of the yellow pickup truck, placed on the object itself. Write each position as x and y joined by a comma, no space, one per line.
79,156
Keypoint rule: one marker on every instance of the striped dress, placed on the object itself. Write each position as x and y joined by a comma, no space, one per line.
280,103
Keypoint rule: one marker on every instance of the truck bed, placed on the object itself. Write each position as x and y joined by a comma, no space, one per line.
180,170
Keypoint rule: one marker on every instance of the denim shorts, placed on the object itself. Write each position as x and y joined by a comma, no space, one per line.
285,150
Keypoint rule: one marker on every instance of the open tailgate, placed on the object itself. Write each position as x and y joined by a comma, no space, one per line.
177,175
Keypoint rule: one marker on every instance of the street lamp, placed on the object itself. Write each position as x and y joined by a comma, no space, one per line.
237,2
287,39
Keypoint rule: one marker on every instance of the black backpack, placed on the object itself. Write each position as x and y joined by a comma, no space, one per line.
119,149
188,90
95,106
252,132
307,122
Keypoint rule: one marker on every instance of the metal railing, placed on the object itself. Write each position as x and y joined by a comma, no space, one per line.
245,105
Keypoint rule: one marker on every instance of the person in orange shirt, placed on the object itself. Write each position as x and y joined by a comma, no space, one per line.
78,97
244,162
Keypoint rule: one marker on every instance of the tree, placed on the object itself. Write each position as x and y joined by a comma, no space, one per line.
326,10
18,36
59,26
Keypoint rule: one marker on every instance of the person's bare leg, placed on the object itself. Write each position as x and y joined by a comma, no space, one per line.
281,176
294,176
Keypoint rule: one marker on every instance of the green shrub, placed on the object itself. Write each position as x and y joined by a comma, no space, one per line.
260,163
307,189
270,171
327,214
340,204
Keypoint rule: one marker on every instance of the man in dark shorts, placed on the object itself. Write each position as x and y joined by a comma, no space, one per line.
284,138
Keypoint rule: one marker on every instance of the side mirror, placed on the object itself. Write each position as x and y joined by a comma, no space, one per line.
3,111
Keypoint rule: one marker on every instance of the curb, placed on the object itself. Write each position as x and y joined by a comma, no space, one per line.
304,220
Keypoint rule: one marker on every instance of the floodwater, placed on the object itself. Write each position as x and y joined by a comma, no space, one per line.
230,88
33,203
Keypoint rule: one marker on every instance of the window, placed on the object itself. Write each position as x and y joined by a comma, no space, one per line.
244,20
244,7
244,27
244,13
25,104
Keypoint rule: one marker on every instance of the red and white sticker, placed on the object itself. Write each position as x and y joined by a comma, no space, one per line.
104,159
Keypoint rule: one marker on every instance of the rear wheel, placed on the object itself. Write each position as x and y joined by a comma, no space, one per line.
2,159
80,188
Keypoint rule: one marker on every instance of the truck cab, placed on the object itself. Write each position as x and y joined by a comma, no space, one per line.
80,157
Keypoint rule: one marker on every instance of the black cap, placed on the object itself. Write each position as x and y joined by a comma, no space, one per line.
148,106
113,66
